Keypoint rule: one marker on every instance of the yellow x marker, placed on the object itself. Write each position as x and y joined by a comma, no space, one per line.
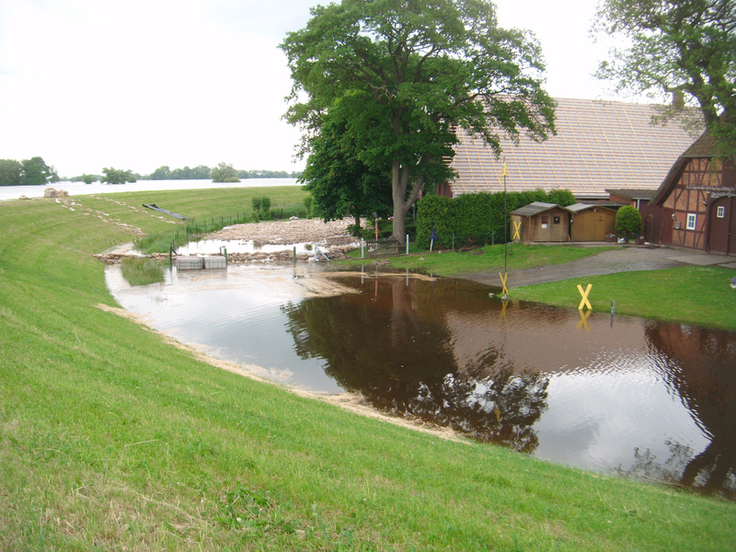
502,316
517,231
584,302
584,320
504,279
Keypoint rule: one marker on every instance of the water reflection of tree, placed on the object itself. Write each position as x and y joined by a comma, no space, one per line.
391,344
700,364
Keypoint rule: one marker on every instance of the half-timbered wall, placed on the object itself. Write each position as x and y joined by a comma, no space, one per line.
701,178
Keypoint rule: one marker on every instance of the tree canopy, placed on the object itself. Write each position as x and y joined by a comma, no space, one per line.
116,176
224,173
29,172
200,172
339,182
404,74
685,49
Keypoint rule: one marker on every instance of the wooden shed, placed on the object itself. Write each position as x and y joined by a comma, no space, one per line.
540,222
591,222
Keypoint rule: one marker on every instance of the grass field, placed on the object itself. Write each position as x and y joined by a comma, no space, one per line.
112,438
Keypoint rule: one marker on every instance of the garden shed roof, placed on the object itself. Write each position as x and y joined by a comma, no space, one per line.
579,207
535,208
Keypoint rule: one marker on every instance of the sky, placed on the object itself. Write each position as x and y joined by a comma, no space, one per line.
135,85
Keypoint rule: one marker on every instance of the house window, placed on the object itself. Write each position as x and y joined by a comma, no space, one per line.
556,220
692,220
721,212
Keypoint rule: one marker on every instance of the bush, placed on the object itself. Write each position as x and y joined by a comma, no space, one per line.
628,222
140,271
476,219
261,207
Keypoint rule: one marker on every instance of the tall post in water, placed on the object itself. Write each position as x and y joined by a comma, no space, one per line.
505,275
505,216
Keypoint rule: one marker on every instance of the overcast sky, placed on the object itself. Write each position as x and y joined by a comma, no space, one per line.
88,84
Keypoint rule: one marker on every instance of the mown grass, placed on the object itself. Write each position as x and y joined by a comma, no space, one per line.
111,438
226,206
693,294
489,258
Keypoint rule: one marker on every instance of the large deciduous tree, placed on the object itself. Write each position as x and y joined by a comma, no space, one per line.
11,172
407,73
684,49
339,182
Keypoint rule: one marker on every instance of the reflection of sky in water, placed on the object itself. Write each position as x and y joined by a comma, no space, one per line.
597,420
606,396
233,314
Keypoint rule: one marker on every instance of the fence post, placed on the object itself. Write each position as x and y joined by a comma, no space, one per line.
407,244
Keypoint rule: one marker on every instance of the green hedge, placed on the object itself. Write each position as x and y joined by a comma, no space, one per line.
476,219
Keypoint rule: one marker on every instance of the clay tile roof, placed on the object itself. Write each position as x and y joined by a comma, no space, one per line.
705,146
633,194
599,144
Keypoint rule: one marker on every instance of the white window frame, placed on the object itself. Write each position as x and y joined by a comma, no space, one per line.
692,221
721,212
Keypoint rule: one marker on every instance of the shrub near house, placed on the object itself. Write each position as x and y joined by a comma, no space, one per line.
628,222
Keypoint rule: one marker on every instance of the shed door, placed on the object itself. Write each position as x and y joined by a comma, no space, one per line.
722,237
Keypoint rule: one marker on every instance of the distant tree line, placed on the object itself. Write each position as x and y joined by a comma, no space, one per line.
35,172
165,173
29,172
222,171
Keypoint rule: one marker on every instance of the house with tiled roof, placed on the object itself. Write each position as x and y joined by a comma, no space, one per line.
599,145
695,206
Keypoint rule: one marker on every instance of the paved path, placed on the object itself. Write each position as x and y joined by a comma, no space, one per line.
624,259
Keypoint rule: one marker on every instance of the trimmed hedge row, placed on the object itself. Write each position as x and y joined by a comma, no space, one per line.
476,219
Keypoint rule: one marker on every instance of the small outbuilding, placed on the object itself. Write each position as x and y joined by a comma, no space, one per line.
540,222
591,223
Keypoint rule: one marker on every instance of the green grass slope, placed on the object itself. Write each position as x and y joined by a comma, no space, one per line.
113,439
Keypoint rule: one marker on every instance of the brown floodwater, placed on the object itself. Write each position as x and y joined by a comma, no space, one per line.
622,395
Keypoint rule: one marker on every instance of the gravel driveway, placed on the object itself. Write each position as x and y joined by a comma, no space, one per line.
624,259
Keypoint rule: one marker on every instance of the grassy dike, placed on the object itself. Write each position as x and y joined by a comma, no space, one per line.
111,438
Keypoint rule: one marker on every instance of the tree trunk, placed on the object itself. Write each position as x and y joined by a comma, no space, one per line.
402,203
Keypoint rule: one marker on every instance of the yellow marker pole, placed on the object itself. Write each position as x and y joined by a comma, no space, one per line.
584,320
517,231
504,279
584,302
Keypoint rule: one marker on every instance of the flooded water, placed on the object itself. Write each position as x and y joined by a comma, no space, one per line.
624,395
214,247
